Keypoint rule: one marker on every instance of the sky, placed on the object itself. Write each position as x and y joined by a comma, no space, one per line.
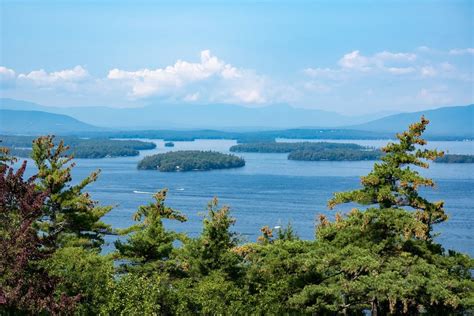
350,57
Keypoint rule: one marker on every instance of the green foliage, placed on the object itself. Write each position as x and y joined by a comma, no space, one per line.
212,249
213,294
69,213
384,258
149,244
85,273
393,183
136,294
378,263
190,160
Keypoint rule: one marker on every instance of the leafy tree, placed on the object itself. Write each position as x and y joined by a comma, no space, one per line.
25,286
84,273
150,245
139,294
213,294
69,212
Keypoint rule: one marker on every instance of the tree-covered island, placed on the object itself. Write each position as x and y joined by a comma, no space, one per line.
21,146
282,147
335,155
169,144
326,151
190,160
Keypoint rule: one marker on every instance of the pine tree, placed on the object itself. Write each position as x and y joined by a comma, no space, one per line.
384,258
150,245
70,213
211,251
394,183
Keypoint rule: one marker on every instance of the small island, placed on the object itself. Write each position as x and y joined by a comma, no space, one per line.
169,144
455,159
190,160
313,151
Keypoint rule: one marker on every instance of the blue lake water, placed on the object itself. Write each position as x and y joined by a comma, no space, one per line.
271,190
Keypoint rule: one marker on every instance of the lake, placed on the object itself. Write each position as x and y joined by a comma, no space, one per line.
271,190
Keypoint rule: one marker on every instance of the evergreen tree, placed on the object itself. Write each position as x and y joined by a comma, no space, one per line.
70,213
384,258
394,183
150,245
212,250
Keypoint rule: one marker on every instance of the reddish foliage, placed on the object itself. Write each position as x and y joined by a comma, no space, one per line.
25,285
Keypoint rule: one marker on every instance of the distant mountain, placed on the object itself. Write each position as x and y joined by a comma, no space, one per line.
38,122
192,116
447,121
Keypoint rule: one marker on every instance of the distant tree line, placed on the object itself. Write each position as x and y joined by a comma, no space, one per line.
189,160
335,155
284,147
255,136
325,151
20,146
455,159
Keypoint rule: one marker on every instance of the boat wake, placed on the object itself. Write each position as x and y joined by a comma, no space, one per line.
142,192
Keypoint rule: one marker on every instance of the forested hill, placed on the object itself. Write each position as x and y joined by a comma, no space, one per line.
453,121
38,122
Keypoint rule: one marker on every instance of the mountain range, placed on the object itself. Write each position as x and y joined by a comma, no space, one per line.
192,116
38,123
21,117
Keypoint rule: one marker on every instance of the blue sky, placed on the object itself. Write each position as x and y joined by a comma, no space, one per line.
351,57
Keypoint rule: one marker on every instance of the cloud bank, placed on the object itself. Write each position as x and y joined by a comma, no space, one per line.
422,77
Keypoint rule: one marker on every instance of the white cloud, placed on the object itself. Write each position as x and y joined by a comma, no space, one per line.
7,76
215,78
389,56
249,96
434,96
191,97
324,73
400,70
354,60
462,51
424,49
66,76
428,71
383,61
